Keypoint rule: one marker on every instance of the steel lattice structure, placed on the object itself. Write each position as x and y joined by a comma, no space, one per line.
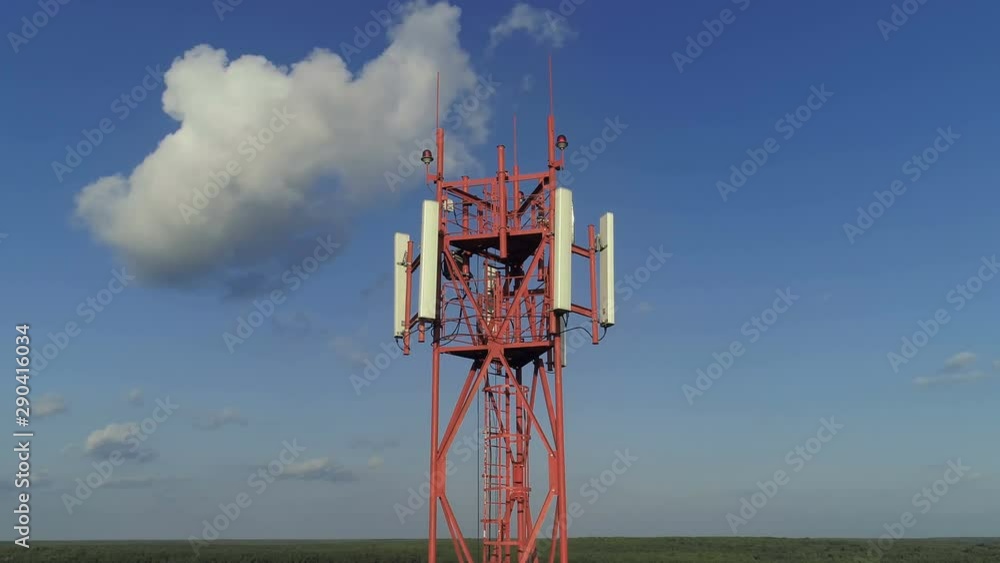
494,305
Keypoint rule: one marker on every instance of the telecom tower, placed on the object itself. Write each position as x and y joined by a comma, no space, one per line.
495,286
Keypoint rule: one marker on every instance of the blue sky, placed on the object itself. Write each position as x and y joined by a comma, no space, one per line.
825,356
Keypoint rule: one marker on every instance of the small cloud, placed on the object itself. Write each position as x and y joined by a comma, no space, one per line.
321,469
959,362
956,369
375,461
134,397
125,439
527,83
48,405
827,297
963,377
544,25
996,365
214,421
644,307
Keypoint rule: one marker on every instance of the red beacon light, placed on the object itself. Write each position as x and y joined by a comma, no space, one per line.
427,157
561,142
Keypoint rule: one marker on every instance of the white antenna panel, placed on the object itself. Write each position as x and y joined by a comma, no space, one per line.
606,315
399,270
430,259
562,252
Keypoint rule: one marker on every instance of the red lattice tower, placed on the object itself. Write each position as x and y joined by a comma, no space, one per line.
497,294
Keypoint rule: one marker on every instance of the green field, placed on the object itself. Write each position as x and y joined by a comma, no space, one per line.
582,550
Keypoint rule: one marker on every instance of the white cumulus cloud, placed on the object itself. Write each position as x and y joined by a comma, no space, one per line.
124,438
957,369
959,361
545,26
320,469
340,132
48,405
963,377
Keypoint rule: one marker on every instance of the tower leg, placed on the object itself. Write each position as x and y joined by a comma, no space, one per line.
559,429
433,504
